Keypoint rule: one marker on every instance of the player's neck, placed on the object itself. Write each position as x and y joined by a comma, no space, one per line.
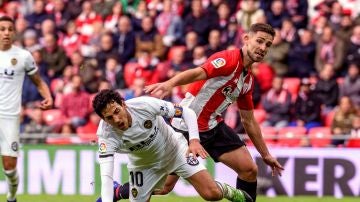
247,61
5,47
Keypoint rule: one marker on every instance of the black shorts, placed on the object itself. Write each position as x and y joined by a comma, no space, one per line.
219,140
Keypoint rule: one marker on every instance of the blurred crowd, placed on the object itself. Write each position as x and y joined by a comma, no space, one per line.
309,78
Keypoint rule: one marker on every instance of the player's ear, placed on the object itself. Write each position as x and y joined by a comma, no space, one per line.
246,37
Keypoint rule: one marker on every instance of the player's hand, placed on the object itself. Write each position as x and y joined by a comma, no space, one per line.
196,149
47,103
276,167
159,90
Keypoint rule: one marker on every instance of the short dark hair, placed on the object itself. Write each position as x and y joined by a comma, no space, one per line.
262,27
103,98
7,18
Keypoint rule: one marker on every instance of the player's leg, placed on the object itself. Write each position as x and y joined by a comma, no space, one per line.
208,188
9,144
228,148
169,185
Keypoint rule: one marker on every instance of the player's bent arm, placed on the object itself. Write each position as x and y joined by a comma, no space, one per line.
42,87
252,128
106,172
187,77
190,119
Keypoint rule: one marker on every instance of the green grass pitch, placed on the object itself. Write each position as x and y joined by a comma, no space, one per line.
77,198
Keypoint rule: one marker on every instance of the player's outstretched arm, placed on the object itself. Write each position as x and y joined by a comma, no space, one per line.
44,91
253,130
163,89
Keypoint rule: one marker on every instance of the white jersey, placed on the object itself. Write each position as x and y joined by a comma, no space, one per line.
14,64
149,142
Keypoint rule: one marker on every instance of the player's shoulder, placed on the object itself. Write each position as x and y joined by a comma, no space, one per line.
225,58
142,104
20,50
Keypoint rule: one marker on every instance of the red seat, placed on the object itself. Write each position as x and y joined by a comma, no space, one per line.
292,85
328,118
320,136
86,136
291,136
53,117
260,115
129,72
62,140
270,135
353,142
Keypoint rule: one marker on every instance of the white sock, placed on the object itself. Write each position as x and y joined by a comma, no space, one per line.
12,179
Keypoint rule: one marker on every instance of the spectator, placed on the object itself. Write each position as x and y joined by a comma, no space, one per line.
125,39
136,89
345,31
30,41
148,39
30,96
199,22
342,121
355,131
107,49
54,56
38,15
199,56
276,56
86,20
277,104
47,27
329,49
111,20
249,13
215,44
277,14
318,27
301,56
76,105
169,25
175,65
351,85
70,42
327,88
60,14
335,15
307,107
232,35
288,32
114,73
298,12
191,41
353,51
21,25
37,123
222,16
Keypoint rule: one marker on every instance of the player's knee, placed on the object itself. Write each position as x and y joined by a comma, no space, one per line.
212,193
250,172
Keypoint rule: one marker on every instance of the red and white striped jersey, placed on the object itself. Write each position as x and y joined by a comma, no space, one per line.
227,81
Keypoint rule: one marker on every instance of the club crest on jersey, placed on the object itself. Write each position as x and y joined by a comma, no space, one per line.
13,61
134,192
148,124
102,147
218,62
192,161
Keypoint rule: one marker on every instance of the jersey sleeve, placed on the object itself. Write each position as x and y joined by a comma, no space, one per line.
106,146
162,107
30,65
245,102
222,63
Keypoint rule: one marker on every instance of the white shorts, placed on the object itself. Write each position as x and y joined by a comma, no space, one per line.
143,181
9,136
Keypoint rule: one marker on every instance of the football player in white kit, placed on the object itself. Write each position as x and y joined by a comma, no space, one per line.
137,127
14,64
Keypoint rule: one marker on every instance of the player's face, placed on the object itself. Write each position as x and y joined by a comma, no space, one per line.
117,116
7,33
257,45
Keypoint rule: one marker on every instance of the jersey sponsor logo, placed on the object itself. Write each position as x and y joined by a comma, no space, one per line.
148,124
146,142
14,146
102,147
134,192
191,160
13,61
227,91
218,62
